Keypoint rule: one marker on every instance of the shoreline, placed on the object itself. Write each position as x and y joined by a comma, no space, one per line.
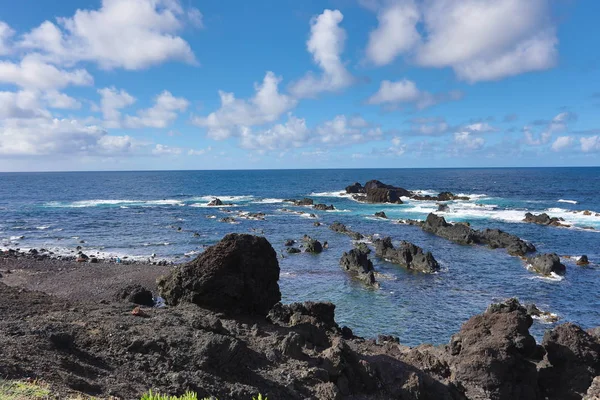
63,324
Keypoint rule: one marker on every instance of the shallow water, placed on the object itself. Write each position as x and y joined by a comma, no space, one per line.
137,214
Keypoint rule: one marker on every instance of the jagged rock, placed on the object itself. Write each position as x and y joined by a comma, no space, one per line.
534,311
545,264
355,188
407,255
572,362
313,246
324,207
304,202
583,260
136,294
443,208
293,250
341,228
593,393
238,274
311,320
543,219
491,355
496,239
289,242
215,202
380,214
458,233
358,264
362,247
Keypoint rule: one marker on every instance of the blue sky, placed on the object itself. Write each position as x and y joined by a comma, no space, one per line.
186,84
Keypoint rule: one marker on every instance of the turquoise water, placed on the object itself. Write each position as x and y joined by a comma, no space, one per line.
137,214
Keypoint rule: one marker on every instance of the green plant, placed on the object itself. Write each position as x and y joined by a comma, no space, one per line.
186,396
23,390
259,397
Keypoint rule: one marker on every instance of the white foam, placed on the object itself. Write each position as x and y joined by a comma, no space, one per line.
335,193
114,202
268,201
42,228
205,205
224,198
567,201
14,238
338,211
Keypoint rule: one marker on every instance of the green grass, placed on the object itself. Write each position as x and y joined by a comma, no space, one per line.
187,396
23,390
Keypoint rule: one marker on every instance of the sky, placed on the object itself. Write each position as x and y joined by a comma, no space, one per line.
190,84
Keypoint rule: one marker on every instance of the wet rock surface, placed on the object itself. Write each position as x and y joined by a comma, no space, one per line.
341,228
544,219
375,191
546,264
357,263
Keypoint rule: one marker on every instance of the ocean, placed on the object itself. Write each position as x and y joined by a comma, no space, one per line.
134,215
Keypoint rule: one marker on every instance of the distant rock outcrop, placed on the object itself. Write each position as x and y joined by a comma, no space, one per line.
375,191
341,228
544,219
237,275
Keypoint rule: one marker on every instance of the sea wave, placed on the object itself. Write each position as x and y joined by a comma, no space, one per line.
113,202
268,201
567,201
241,198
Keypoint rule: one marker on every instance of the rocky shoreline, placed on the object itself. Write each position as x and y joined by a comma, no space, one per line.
224,333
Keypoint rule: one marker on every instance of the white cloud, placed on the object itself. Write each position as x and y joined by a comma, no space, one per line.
129,34
479,40
111,101
6,33
428,126
562,142
161,149
479,127
293,133
56,99
467,141
396,32
21,104
590,144
161,114
558,124
326,44
115,144
33,73
267,105
341,131
406,92
200,152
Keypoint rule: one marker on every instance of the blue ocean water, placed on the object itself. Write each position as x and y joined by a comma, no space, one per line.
137,214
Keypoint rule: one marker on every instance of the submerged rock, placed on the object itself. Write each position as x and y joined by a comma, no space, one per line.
380,214
543,219
407,255
324,207
312,246
583,260
458,233
496,238
358,264
341,228
443,208
238,275
546,264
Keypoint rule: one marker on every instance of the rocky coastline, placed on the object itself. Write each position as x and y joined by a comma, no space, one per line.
224,333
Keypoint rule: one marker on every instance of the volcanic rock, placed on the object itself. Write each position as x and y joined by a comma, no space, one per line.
237,275
407,255
215,202
136,294
357,263
380,214
341,228
545,264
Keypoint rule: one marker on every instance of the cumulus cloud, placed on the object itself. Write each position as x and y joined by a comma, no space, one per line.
21,104
326,44
479,40
558,124
235,115
129,34
467,141
292,133
6,33
397,148
56,99
590,144
342,130
430,126
164,112
406,92
33,73
161,149
111,101
562,142
395,34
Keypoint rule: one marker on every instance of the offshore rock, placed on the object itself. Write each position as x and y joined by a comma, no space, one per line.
546,264
237,275
357,263
407,255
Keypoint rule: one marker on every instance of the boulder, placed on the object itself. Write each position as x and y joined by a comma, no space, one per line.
293,250
357,263
382,195
545,264
324,207
380,214
572,362
593,393
136,294
490,355
304,202
215,202
237,275
407,255
312,246
443,196
443,208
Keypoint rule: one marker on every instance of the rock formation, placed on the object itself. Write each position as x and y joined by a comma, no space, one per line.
407,255
357,263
